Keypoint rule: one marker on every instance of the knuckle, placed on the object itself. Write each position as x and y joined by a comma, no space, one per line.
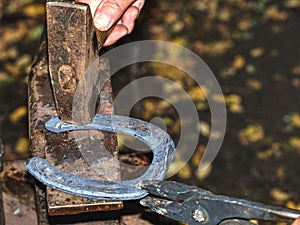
115,6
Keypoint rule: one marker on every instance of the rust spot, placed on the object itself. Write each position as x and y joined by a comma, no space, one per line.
67,78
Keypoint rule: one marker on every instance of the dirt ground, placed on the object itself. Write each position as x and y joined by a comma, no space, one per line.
254,51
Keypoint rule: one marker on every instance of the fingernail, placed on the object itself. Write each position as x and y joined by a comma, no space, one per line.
139,5
103,22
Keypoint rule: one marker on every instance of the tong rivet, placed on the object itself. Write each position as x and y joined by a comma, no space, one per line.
200,215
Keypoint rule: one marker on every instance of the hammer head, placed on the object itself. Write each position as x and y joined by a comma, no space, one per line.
74,64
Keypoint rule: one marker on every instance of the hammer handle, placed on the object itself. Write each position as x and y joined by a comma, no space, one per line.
102,36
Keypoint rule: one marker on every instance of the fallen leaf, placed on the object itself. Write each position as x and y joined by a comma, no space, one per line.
171,17
292,3
34,10
295,120
202,174
218,98
22,146
236,108
185,172
275,149
219,47
254,84
257,52
204,128
200,5
177,27
251,134
197,94
18,114
224,14
295,142
245,24
273,13
233,102
213,48
198,155
175,166
279,194
233,98
292,205
238,62
228,72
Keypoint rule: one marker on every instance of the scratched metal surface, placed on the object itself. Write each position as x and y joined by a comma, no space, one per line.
72,47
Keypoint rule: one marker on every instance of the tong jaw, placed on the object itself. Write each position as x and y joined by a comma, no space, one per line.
194,205
182,203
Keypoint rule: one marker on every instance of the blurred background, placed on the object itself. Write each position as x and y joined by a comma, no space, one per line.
253,49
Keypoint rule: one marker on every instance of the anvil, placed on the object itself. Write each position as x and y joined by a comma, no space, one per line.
69,80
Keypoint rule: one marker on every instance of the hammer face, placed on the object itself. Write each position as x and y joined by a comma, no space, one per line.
73,60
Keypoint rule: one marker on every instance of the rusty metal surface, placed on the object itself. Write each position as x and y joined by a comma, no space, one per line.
79,153
72,50
44,143
1,202
20,208
18,195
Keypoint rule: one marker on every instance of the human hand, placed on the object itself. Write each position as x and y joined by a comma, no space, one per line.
297,221
108,12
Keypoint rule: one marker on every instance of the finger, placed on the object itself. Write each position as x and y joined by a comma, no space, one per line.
129,17
139,4
296,222
109,12
92,3
118,32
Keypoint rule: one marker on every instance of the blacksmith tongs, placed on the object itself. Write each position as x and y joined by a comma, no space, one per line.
195,206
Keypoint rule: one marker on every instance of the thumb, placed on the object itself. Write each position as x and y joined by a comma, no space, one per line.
109,12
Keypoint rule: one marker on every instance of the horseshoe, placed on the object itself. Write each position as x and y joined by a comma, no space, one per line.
156,139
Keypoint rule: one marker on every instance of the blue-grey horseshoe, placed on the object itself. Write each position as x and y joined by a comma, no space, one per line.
156,139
